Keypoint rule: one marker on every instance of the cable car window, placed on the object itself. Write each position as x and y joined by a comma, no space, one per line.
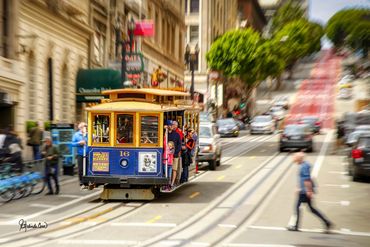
125,128
101,129
149,130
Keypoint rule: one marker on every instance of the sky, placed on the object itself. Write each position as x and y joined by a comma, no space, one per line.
321,10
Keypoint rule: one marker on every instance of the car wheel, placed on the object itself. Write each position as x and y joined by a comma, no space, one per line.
281,149
310,149
212,165
218,162
350,172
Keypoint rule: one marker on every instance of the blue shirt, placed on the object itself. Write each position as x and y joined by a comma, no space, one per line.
77,137
304,174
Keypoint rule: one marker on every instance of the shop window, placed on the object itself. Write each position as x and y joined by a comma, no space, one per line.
125,129
194,6
194,34
101,129
149,130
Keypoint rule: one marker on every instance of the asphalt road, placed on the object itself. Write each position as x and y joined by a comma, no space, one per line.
247,201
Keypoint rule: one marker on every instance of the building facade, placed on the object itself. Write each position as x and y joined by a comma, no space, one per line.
205,21
45,43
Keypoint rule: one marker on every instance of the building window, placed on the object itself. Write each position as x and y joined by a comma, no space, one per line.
163,33
4,27
32,90
99,42
194,34
65,94
186,6
173,38
181,48
194,6
156,28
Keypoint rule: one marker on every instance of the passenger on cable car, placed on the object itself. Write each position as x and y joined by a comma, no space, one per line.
124,130
175,127
176,139
168,153
187,155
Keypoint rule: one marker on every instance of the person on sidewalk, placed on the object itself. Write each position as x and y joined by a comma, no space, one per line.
305,192
34,141
51,155
340,136
79,140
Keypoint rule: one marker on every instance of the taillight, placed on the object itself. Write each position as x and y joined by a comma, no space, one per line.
317,123
357,153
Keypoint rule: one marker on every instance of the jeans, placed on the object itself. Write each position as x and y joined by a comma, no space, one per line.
51,171
36,152
302,198
184,174
80,160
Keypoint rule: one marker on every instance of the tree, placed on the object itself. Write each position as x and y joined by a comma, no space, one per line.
289,12
234,53
346,28
298,39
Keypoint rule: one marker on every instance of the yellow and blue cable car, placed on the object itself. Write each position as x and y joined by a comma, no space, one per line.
126,137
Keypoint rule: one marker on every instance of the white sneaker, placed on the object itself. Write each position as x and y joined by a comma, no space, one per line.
83,187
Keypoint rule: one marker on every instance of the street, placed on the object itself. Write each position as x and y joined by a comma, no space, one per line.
248,201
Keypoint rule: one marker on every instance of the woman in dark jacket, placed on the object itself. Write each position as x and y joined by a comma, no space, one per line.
13,151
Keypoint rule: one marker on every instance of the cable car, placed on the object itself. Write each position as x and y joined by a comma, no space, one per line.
126,135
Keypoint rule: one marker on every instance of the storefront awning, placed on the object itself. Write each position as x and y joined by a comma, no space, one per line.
91,82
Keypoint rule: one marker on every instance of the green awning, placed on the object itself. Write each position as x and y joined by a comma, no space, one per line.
91,82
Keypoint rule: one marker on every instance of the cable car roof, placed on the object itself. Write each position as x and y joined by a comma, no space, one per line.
153,91
133,107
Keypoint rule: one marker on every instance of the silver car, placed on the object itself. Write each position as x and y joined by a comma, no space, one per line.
209,145
262,124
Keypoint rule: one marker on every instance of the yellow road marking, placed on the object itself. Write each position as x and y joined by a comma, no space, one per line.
238,166
221,177
156,218
194,195
252,157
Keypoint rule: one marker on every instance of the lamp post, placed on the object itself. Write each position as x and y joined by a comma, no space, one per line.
190,60
131,27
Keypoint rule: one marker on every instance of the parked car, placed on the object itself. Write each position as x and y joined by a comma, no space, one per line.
296,136
227,127
345,93
209,145
282,101
359,163
240,124
262,124
313,121
277,112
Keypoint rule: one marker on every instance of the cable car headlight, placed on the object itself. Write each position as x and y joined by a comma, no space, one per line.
124,163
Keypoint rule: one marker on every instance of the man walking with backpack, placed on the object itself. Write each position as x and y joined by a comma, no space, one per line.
306,190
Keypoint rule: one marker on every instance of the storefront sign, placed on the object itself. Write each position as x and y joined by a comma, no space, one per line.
144,28
134,63
100,162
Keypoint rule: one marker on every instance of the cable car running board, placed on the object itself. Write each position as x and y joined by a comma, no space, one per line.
127,194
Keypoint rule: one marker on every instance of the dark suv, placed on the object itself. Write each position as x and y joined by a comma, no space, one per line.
359,163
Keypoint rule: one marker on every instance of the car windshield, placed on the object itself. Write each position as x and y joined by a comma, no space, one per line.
294,130
204,117
309,119
262,119
275,109
353,137
205,132
364,142
226,121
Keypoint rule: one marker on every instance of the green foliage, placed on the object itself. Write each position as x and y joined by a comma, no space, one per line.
297,39
349,27
47,125
272,63
234,53
30,124
289,12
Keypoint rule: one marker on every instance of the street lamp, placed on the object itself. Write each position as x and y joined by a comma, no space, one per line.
131,28
191,59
